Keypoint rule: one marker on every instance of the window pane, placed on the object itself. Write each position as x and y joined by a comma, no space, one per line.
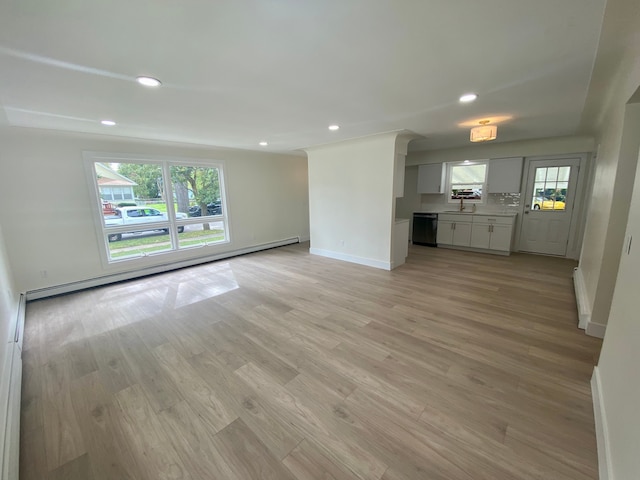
196,190
142,224
200,234
563,175
137,243
467,181
552,174
468,174
550,188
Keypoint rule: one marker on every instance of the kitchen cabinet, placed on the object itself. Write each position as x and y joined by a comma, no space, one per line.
454,229
493,233
487,232
431,178
504,175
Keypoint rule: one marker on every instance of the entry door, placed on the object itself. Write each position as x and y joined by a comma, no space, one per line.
548,200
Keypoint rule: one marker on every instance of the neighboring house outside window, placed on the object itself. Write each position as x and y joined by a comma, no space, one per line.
113,187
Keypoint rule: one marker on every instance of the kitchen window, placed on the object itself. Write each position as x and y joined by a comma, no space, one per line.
161,206
467,181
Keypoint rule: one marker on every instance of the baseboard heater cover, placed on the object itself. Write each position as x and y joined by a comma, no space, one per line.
143,272
10,397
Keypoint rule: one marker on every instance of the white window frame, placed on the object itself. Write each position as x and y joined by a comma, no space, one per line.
449,184
91,158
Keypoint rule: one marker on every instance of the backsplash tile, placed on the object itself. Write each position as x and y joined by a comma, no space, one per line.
496,203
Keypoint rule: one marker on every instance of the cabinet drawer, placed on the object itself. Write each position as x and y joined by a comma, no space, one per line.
493,220
455,218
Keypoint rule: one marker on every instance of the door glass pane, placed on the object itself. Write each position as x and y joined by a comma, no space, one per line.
550,188
563,175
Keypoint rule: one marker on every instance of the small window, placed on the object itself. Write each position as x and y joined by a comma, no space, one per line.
467,181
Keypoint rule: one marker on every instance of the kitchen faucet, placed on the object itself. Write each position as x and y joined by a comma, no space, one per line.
461,204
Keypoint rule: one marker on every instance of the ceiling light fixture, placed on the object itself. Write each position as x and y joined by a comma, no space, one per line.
149,81
263,144
484,132
108,123
333,128
468,97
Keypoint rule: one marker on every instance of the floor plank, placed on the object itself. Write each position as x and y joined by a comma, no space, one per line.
285,365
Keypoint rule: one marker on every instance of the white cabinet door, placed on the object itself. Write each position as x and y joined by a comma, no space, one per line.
504,175
445,233
462,234
480,235
431,178
501,238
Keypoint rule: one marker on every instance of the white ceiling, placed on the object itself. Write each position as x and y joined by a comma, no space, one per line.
237,72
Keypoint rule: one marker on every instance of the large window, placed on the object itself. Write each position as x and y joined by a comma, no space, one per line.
173,205
467,181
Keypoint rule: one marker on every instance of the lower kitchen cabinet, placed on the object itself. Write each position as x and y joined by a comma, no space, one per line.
484,232
455,230
491,236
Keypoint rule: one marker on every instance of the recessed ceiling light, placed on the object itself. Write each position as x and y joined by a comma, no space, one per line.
263,144
468,97
333,128
108,123
149,81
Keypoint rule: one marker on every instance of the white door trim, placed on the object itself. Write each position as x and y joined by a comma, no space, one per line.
579,213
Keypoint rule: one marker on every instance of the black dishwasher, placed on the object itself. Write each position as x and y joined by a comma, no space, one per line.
425,229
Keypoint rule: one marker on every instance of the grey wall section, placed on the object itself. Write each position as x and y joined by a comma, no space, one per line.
47,205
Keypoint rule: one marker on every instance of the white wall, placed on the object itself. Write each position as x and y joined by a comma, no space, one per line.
616,77
351,205
620,357
46,214
525,148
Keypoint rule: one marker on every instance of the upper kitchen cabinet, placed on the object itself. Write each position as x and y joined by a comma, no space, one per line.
431,178
504,175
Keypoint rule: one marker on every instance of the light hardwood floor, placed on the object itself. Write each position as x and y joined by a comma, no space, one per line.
282,365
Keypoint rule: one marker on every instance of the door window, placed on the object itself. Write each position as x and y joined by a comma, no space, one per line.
550,188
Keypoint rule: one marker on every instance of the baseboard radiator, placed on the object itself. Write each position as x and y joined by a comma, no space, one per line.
10,395
141,272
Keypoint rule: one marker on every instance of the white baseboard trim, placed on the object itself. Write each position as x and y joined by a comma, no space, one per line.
351,258
476,250
595,329
584,310
119,277
602,431
304,238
